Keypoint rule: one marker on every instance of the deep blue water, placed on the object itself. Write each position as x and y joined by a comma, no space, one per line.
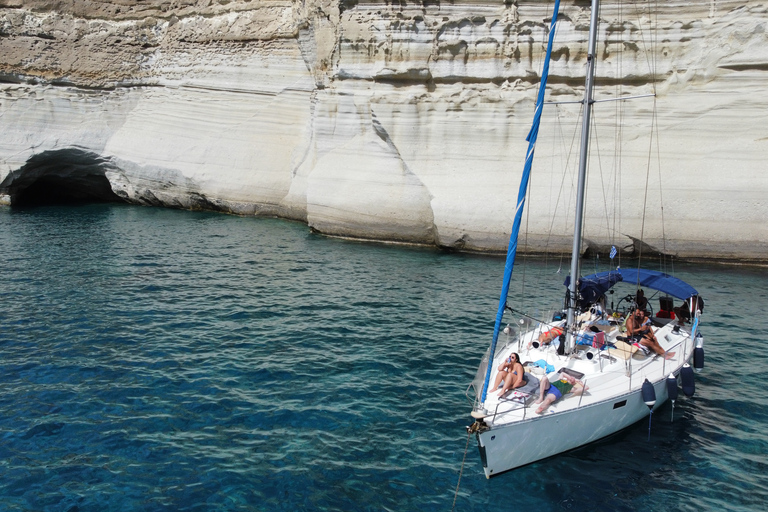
161,360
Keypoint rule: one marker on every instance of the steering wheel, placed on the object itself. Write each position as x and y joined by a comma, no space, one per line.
627,304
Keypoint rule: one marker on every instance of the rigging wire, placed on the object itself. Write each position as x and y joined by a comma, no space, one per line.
528,204
611,181
531,317
651,59
661,192
564,173
618,137
654,70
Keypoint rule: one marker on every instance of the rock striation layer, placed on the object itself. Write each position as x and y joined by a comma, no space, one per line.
401,122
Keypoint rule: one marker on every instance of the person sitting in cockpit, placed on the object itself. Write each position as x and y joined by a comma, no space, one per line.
640,329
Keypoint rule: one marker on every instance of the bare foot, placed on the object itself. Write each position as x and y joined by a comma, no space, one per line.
669,355
541,409
502,392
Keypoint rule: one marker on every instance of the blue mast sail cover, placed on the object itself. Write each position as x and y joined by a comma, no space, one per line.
512,249
593,286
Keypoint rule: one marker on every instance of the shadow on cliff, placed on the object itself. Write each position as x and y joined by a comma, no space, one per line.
64,176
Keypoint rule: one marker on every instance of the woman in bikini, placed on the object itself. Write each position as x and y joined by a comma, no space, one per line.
546,337
511,372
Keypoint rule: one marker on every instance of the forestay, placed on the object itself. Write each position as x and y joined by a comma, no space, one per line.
512,249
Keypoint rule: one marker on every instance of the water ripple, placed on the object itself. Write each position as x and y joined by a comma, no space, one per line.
164,360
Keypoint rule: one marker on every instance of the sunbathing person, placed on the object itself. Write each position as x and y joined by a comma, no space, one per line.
561,385
511,372
546,337
639,327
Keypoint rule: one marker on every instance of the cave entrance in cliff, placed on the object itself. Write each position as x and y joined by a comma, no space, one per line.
66,176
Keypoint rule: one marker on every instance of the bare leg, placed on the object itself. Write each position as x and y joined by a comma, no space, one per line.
547,402
507,383
653,345
543,387
499,376
579,389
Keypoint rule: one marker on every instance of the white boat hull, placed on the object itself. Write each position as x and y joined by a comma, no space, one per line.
517,444
513,434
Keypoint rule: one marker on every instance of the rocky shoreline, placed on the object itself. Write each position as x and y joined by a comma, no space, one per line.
375,121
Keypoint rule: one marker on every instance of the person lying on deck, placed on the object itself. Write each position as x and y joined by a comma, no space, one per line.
561,385
639,327
511,371
546,337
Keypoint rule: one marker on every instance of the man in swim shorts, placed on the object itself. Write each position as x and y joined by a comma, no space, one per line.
561,384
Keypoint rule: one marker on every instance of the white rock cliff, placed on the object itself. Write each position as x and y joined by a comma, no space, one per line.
400,122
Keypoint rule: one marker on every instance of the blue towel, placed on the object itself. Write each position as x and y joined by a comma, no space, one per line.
543,364
584,339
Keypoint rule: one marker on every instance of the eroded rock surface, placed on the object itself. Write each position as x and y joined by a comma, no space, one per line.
402,122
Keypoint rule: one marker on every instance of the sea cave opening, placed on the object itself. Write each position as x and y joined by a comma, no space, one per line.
66,176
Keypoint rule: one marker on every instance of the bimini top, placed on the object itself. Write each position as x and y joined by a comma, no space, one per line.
591,287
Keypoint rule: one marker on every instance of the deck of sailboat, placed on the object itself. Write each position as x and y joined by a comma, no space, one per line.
608,375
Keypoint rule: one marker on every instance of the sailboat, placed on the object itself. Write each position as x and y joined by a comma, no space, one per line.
619,381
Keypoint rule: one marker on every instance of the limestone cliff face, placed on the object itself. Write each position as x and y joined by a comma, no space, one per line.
402,122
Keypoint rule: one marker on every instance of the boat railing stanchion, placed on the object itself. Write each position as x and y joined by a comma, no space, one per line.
584,390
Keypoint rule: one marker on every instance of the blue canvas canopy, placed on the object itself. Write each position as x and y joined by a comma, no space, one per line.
591,287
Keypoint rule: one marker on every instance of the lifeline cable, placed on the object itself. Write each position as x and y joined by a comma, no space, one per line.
513,310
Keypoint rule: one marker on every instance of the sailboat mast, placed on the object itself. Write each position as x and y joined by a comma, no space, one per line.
585,127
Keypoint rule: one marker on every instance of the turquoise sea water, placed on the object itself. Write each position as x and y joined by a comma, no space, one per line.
159,360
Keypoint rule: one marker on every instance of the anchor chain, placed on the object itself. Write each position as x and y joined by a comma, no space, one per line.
461,471
477,427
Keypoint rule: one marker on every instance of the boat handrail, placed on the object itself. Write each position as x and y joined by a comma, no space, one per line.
584,390
649,361
516,401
